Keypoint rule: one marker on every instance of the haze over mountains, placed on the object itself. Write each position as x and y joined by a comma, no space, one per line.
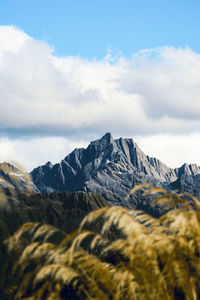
111,168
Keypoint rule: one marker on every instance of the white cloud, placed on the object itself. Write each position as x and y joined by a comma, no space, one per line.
155,92
168,82
172,150
12,39
30,153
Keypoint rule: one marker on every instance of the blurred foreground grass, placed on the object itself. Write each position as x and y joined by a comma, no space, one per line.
114,254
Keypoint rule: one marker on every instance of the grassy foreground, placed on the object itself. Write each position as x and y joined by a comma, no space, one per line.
115,254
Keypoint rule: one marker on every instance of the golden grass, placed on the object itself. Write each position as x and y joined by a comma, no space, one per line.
114,254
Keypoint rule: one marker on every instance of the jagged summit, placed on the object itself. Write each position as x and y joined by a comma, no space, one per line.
189,169
49,164
108,166
103,143
107,137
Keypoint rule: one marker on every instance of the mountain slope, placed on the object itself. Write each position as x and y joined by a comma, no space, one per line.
109,167
15,178
64,210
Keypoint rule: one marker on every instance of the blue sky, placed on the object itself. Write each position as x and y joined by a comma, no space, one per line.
70,71
89,27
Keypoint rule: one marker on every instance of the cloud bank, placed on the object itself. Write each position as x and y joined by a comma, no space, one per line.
156,92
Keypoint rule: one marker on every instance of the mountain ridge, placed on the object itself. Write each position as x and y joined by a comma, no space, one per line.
110,167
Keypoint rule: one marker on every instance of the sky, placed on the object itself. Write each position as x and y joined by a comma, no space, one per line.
70,71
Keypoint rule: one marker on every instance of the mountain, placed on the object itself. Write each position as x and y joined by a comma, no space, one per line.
109,167
187,183
15,178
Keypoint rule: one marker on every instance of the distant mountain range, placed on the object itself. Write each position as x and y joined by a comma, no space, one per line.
112,168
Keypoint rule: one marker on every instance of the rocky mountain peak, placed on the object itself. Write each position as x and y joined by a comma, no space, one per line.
103,144
188,169
107,137
49,164
110,167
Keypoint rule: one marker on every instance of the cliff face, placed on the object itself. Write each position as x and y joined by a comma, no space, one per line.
109,167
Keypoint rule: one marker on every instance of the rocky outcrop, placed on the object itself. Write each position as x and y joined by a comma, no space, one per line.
187,183
109,167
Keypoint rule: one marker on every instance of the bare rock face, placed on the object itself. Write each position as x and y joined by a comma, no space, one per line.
187,183
109,167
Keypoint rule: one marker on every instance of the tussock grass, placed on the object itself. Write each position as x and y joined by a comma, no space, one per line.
114,254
